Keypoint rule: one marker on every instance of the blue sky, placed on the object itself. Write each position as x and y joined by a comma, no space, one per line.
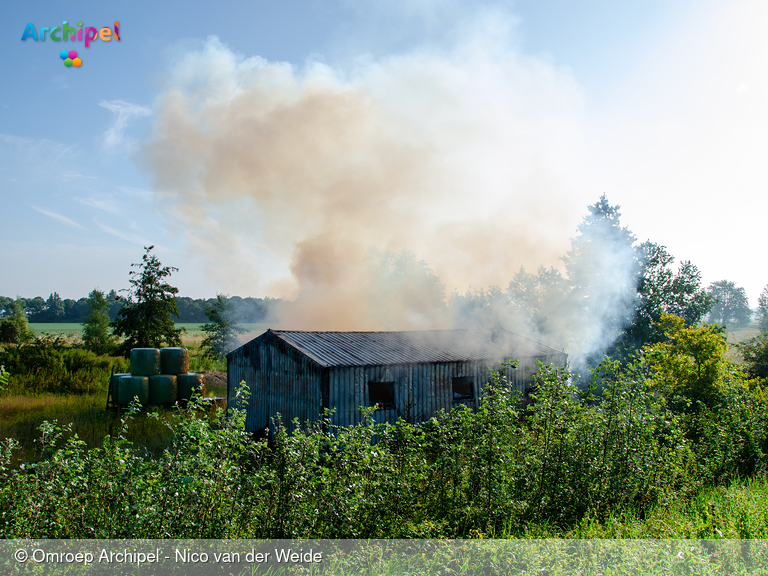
473,135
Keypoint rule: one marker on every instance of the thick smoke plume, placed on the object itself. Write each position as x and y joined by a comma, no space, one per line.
367,195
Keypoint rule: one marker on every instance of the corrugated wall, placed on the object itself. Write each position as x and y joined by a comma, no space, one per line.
280,379
283,380
421,390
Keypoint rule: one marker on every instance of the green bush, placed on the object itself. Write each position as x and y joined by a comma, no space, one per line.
47,365
755,354
733,435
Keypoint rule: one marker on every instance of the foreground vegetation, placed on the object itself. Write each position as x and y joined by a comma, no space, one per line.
674,445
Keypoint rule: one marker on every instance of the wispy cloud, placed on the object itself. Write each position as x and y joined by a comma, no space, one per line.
133,238
38,163
33,148
67,176
107,205
124,111
137,193
59,217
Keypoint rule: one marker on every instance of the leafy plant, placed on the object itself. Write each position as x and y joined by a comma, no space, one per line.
731,304
145,318
15,328
755,354
691,369
221,331
48,365
566,462
96,325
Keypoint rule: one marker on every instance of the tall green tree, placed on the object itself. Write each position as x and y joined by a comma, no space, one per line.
145,318
602,268
691,366
754,351
401,288
54,307
14,328
5,306
537,295
221,331
97,335
113,304
762,310
485,308
731,306
662,291
35,307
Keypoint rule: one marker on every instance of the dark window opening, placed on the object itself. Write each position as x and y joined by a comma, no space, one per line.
462,388
381,393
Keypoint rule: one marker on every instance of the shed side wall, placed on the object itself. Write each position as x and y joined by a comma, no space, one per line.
421,390
281,380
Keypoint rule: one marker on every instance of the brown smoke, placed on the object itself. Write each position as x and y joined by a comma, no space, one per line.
287,181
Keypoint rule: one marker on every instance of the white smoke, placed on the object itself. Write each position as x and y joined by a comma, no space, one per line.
299,182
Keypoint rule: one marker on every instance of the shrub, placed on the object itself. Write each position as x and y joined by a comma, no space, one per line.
96,326
15,329
47,365
9,331
733,435
755,354
586,458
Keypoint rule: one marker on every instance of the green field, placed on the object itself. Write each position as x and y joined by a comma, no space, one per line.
194,331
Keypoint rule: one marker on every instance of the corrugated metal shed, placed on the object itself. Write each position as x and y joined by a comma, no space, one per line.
301,374
337,349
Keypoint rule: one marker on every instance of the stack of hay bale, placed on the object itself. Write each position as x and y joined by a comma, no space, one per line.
158,377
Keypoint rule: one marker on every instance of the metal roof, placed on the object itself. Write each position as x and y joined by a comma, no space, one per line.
336,349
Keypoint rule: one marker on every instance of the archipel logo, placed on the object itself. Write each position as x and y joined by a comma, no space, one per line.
86,35
70,58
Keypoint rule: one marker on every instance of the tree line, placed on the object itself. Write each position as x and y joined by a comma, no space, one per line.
56,309
608,299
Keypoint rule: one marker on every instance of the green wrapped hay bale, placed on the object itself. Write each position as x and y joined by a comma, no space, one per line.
130,386
145,361
190,383
174,360
114,382
162,389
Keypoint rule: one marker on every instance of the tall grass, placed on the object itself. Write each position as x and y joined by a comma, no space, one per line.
22,415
